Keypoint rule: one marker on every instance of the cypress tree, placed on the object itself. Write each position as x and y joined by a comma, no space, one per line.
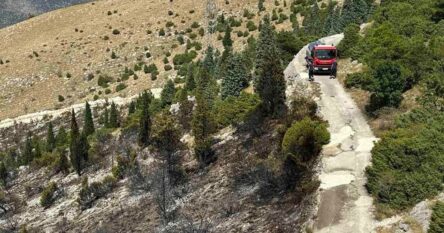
75,147
270,82
83,147
50,138
208,81
351,38
131,108
335,26
27,155
167,94
313,21
203,123
190,83
88,127
3,174
145,120
37,149
235,78
105,118
63,165
227,41
113,116
62,137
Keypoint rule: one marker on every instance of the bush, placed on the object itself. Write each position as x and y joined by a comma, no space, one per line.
169,24
161,32
104,80
47,197
91,192
387,87
235,110
351,39
437,220
61,98
407,161
167,67
251,26
116,32
195,25
303,141
120,86
361,80
184,58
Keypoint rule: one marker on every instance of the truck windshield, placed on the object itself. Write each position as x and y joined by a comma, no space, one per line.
325,54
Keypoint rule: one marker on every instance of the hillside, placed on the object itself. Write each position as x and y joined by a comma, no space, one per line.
65,51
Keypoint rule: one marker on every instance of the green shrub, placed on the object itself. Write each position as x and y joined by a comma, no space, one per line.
120,87
162,32
167,67
184,58
407,161
61,98
361,80
116,32
193,36
107,91
234,110
387,87
104,80
303,141
437,220
91,192
47,198
180,39
251,26
169,24
195,25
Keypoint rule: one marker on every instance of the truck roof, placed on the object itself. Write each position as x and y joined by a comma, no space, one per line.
325,47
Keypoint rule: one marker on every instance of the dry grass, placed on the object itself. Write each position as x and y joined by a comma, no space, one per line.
71,40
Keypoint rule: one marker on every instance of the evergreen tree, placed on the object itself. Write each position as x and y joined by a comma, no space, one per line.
354,11
335,26
131,108
27,155
351,38
75,147
328,24
261,6
190,83
313,23
167,94
208,80
37,149
235,78
50,138
3,174
203,123
113,116
227,41
270,82
84,147
88,127
63,165
105,118
145,120
62,137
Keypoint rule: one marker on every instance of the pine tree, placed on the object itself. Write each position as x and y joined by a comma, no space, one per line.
74,148
131,108
351,38
190,83
235,78
113,116
3,174
145,120
62,137
330,17
50,138
227,41
27,155
336,22
88,127
84,147
63,165
203,122
105,118
37,149
167,94
270,82
313,22
209,82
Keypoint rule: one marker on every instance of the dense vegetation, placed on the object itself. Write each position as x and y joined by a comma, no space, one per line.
403,50
437,221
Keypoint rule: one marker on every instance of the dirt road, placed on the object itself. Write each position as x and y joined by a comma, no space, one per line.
344,206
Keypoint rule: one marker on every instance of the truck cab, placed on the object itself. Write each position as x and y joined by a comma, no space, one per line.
322,57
